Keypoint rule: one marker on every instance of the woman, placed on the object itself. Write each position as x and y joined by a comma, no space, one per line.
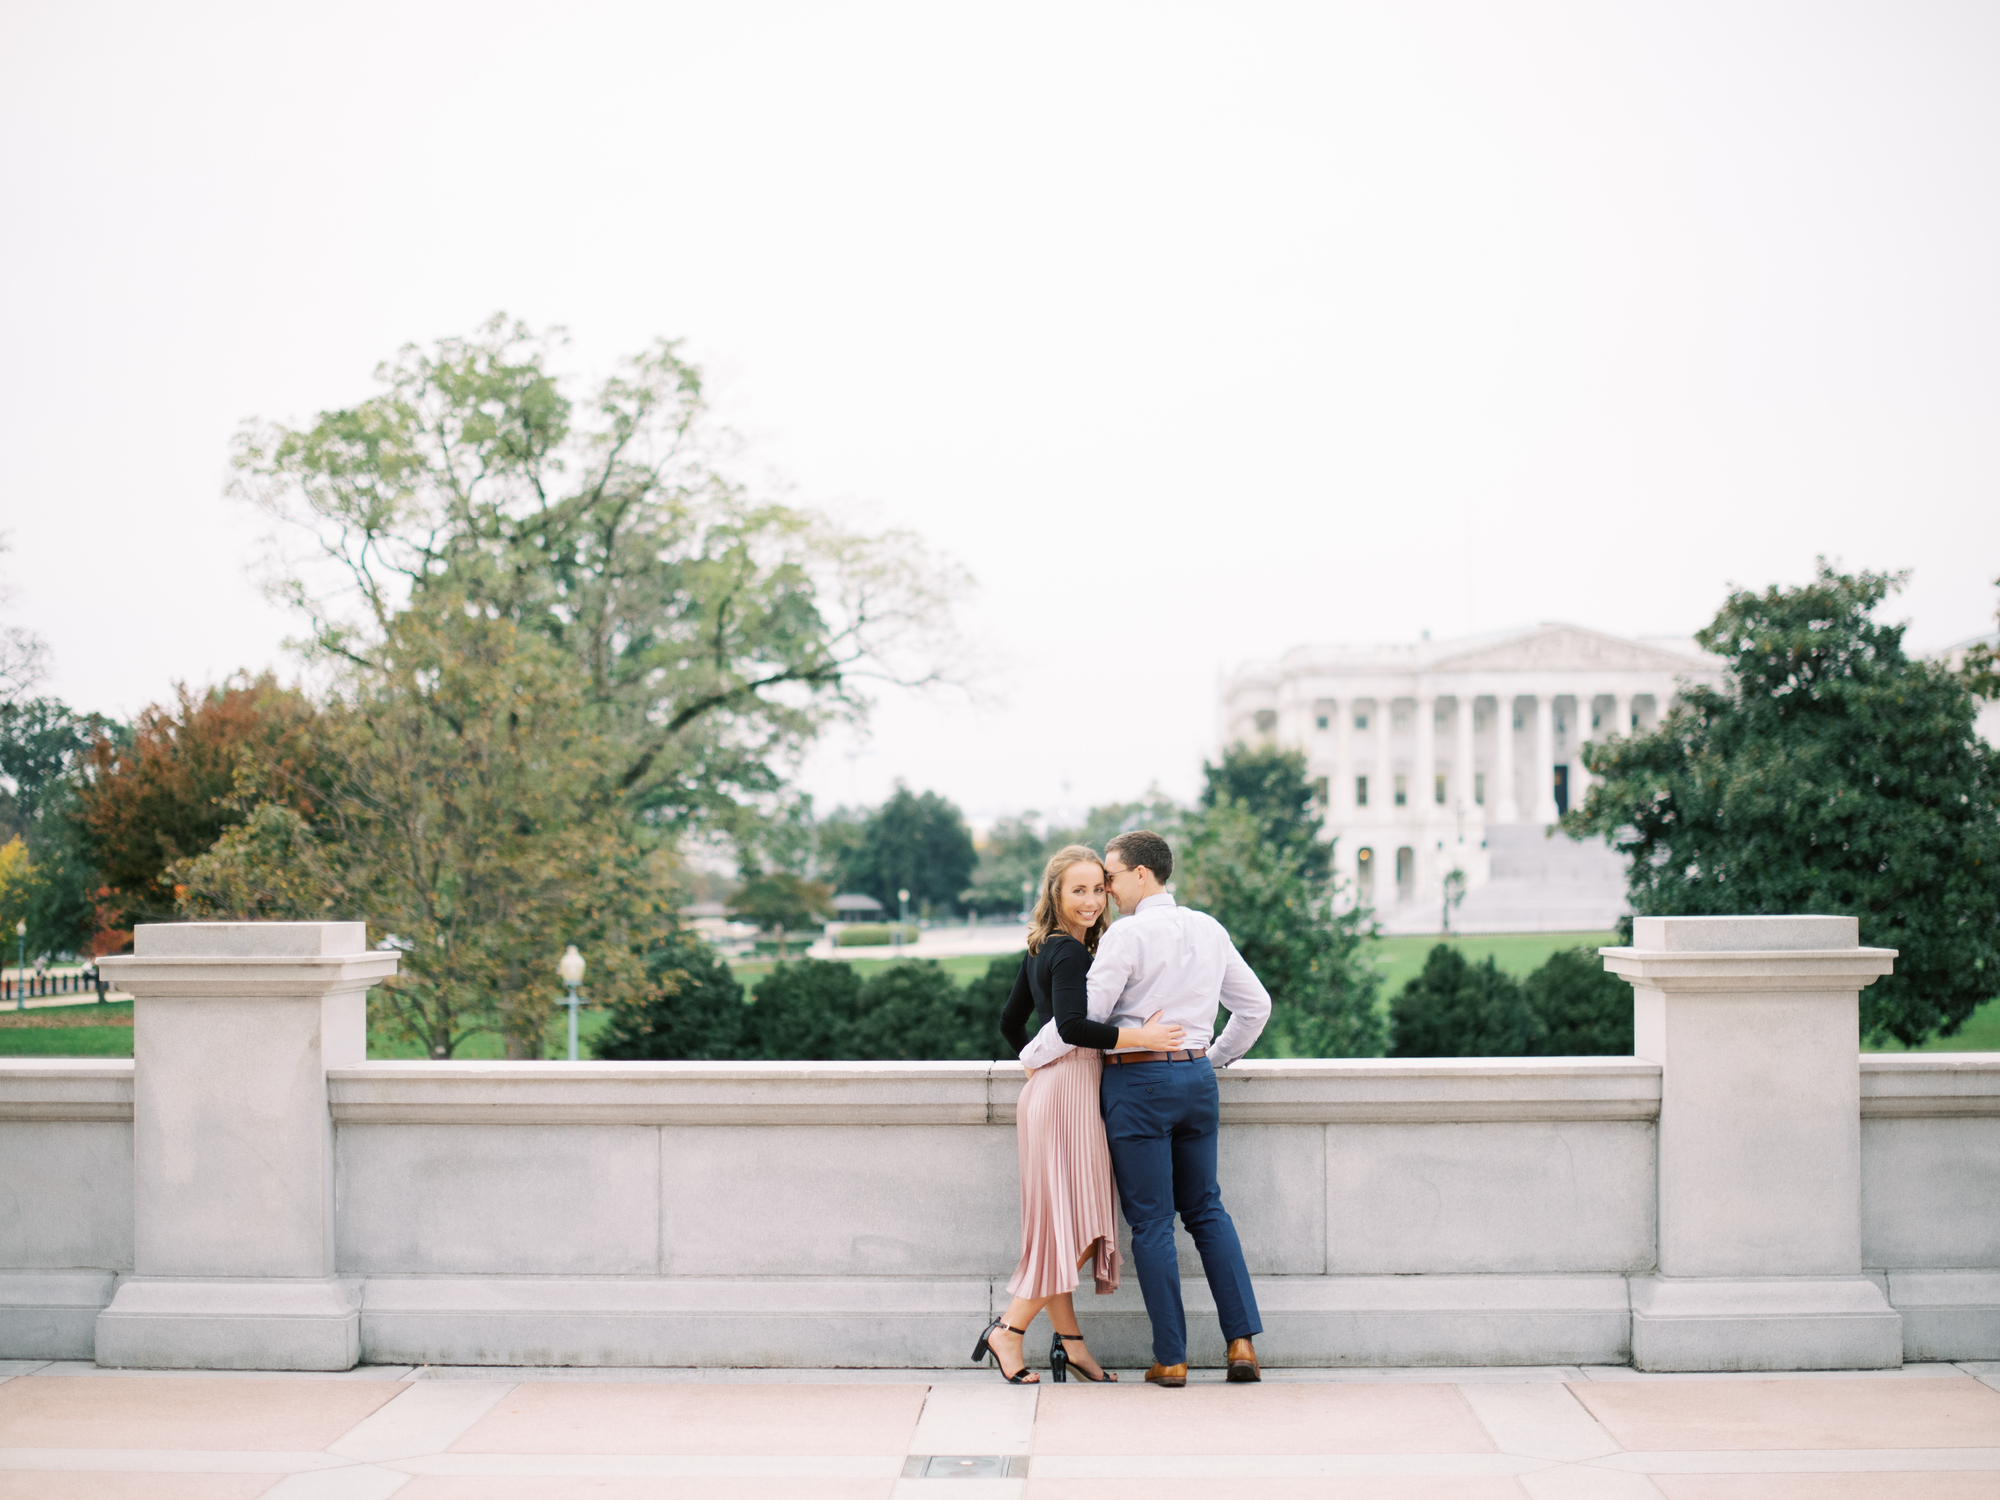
1066,1187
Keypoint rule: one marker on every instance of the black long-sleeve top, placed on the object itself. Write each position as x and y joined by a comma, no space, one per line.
1051,982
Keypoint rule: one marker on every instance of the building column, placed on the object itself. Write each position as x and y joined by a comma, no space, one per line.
1621,715
1340,806
1423,789
1461,759
234,1025
1381,784
1755,1025
1506,807
1544,802
1579,778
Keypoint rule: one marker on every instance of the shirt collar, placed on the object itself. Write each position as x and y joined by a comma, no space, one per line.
1161,900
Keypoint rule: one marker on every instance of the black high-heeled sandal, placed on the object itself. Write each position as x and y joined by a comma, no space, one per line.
982,1349
1060,1363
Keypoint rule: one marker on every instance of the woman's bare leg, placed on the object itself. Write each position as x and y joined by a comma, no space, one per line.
1021,1313
1062,1318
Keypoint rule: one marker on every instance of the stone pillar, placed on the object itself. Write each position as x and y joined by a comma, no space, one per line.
234,1027
1579,778
1381,783
1461,757
1621,715
1423,776
1755,1023
1506,806
1544,802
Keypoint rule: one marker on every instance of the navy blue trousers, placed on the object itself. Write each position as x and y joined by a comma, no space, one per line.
1160,1120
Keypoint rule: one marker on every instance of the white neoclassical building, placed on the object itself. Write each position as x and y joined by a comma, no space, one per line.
1437,756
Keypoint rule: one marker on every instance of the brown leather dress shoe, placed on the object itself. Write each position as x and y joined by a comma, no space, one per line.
1243,1366
1167,1375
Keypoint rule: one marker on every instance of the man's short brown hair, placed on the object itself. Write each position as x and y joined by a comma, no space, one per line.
1143,847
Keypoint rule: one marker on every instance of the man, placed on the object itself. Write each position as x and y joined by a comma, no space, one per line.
1160,1107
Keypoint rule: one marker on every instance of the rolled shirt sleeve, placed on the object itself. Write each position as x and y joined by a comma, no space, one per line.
1044,1047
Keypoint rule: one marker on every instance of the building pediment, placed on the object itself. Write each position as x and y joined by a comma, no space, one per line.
1566,648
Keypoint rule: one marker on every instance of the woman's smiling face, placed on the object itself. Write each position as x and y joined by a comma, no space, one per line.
1080,895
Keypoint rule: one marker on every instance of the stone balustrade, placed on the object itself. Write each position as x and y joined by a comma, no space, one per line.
1745,1193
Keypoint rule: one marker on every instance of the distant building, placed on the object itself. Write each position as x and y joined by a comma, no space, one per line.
1988,722
1436,756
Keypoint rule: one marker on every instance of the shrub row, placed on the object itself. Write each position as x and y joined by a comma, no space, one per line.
694,1008
812,1010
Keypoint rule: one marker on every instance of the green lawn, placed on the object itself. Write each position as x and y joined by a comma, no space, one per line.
66,1041
1980,1033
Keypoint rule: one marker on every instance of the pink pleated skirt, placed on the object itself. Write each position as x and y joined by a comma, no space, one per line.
1067,1198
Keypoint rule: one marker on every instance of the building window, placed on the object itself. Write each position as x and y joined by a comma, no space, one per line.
1322,722
1479,788
1361,721
1519,722
1319,791
1267,721
1440,791
1361,797
1402,791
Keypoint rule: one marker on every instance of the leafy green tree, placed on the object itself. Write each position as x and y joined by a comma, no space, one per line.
709,634
17,874
1104,823
837,841
1834,774
1013,855
42,743
781,902
804,1012
188,771
1271,785
1980,670
466,804
45,755
1262,871
1584,1011
917,843
1457,1009
689,1007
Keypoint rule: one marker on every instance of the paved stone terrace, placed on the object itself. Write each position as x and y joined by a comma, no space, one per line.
73,1432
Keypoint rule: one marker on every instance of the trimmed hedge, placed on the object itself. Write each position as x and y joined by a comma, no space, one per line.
875,934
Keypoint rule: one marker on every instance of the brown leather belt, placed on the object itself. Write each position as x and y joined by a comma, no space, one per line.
1118,1059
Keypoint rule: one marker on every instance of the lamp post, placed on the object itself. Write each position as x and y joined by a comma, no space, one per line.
21,966
902,915
570,966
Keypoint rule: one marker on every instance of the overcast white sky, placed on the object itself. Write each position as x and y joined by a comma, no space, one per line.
1268,323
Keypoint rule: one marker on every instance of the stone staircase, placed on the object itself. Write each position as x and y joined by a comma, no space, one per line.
1545,884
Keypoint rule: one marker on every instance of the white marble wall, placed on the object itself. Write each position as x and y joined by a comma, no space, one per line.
1744,1193
1450,1211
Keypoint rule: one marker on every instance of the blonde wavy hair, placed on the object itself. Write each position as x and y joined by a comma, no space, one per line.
1047,920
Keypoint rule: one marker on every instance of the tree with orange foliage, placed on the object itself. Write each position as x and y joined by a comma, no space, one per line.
190,772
